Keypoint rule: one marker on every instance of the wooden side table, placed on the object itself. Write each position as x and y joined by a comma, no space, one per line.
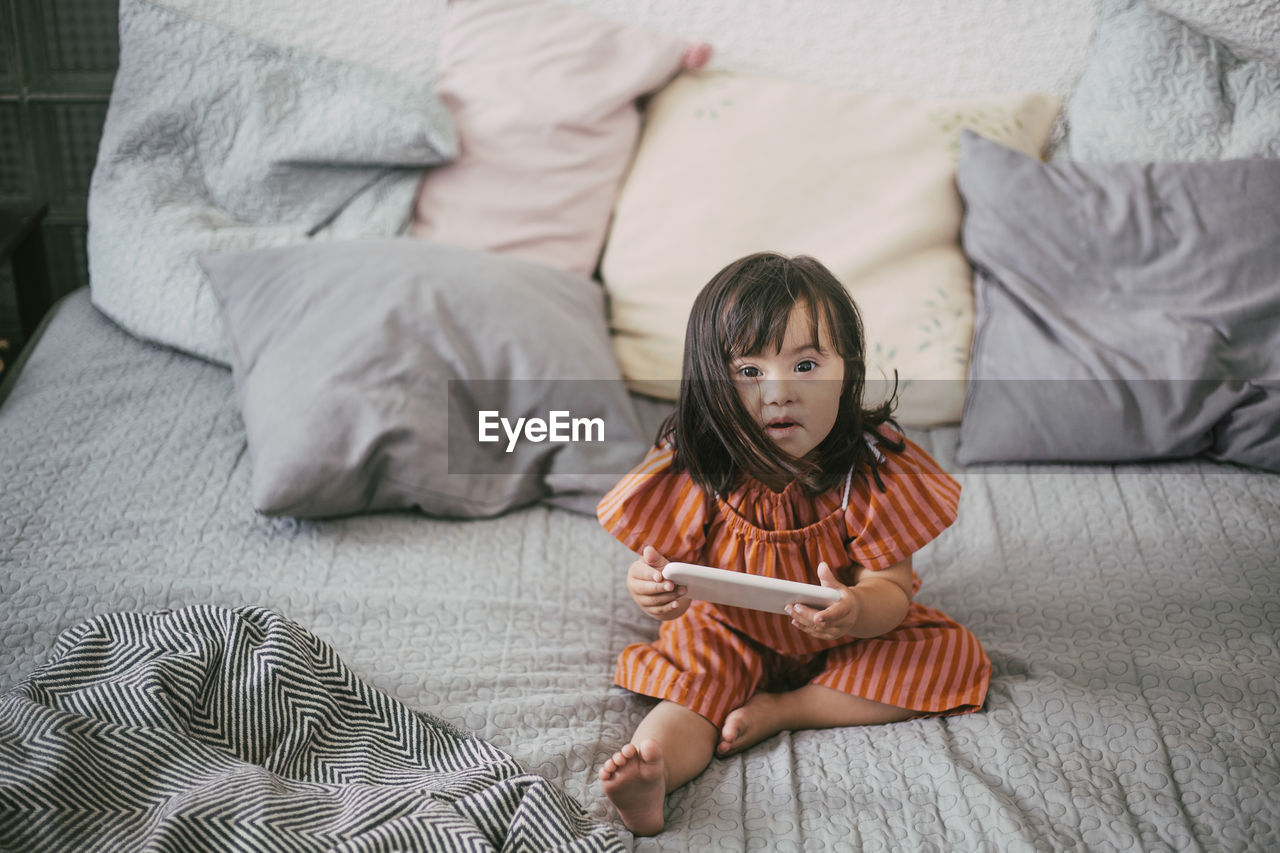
22,244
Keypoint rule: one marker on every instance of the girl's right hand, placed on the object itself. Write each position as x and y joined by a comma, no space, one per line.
658,597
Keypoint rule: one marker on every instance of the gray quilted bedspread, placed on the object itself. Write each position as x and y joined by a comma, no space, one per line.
1132,614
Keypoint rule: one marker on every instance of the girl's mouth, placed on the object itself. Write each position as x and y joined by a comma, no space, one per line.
781,427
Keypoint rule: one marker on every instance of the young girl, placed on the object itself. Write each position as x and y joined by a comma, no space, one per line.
771,465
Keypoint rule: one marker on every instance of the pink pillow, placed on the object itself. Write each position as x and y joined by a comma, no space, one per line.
544,97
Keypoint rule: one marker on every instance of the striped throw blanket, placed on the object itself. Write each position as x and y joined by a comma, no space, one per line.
216,728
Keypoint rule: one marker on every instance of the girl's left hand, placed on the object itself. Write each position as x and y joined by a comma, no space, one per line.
834,621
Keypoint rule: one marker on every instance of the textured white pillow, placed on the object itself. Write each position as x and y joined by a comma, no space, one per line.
734,164
215,141
1248,27
1155,89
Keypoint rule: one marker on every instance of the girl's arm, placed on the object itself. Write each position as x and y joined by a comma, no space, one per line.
875,604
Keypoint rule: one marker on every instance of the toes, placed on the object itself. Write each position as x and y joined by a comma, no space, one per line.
620,759
612,765
649,751
732,730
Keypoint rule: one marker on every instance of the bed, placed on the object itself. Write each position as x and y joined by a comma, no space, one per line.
196,653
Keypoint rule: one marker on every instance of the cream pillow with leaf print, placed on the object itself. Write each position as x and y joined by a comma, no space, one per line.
731,164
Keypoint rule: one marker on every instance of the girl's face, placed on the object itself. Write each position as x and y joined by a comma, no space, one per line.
794,393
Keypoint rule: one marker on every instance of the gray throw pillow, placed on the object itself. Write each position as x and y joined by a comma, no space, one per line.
364,370
1124,311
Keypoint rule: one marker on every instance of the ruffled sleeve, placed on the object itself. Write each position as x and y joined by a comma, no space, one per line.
654,505
919,502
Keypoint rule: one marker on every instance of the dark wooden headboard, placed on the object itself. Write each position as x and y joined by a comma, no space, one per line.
57,62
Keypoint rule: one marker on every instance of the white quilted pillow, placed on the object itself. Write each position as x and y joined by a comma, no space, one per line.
1156,89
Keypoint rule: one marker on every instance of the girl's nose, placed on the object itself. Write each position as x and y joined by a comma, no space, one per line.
777,391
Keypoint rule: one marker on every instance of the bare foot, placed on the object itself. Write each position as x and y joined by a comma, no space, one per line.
634,780
759,719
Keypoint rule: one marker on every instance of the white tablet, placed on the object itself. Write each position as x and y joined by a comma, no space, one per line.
739,589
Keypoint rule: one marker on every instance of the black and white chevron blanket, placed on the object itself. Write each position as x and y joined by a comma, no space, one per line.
216,728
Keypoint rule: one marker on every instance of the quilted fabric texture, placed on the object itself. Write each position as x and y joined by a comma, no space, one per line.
1130,614
733,164
544,96
215,141
1125,311
362,368
953,48
1247,27
1157,89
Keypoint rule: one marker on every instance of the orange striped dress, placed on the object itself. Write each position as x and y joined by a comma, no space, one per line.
713,658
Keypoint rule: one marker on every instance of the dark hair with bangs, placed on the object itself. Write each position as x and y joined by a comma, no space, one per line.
741,310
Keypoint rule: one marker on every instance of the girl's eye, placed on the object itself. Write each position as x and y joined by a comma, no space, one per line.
749,372
806,366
